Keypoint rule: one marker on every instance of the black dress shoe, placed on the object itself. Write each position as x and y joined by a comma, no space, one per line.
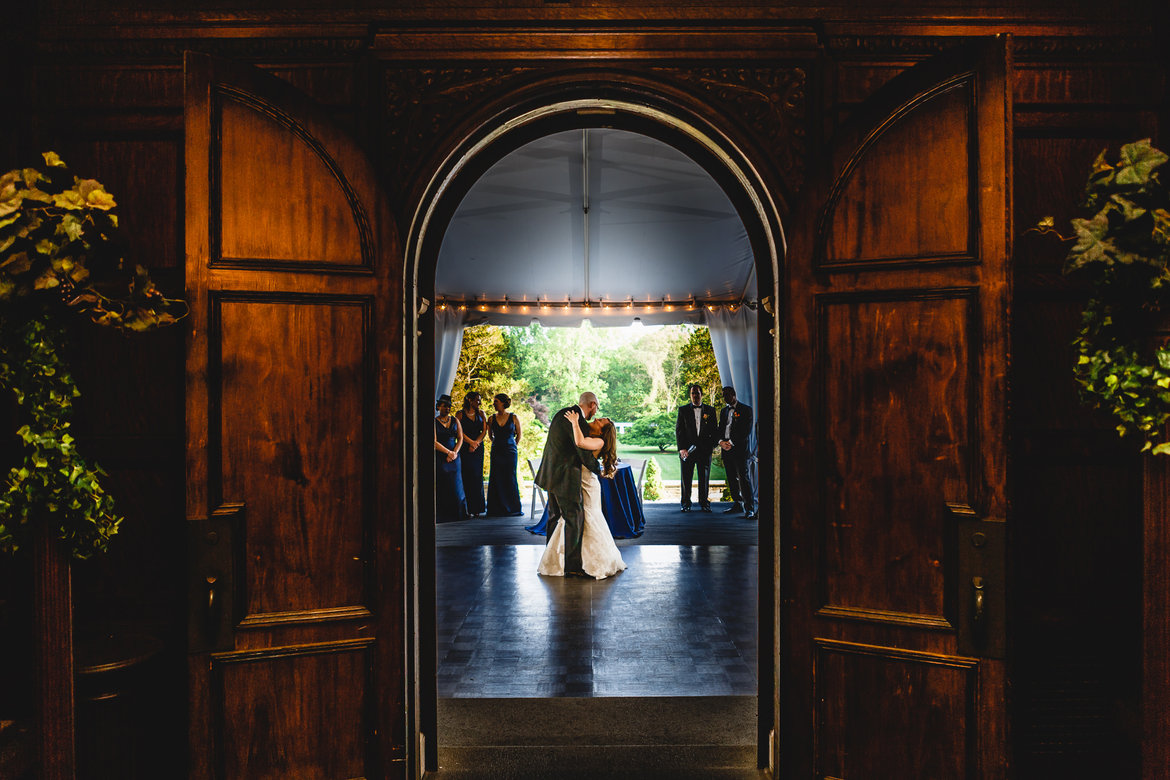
705,508
686,508
749,515
576,573
733,508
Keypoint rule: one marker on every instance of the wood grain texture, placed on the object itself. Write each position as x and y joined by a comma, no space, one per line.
291,370
906,194
280,196
906,361
299,459
1156,621
920,727
53,656
897,356
294,712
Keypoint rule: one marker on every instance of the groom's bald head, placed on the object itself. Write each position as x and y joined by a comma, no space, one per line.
588,404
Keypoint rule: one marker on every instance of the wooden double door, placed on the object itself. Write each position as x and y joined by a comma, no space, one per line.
889,451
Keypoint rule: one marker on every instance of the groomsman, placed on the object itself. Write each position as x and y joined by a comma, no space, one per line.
695,434
735,428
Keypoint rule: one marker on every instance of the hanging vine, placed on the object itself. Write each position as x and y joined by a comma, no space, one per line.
60,257
1122,250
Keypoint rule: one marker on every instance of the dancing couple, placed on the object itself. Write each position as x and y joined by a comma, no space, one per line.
576,453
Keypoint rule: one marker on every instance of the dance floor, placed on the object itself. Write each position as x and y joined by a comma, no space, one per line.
680,621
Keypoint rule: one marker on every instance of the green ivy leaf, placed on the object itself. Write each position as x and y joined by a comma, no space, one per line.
1138,161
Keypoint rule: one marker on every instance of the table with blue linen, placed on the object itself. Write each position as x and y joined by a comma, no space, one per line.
620,504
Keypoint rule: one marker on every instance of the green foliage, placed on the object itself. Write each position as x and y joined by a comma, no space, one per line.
653,431
560,363
627,384
59,248
660,352
52,482
484,362
697,358
1123,251
652,487
59,256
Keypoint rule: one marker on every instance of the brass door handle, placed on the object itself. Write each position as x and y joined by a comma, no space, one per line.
212,605
977,611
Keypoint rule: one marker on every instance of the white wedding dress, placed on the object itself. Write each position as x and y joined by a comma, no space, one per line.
600,557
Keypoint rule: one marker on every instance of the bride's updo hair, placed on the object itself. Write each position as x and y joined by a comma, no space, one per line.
604,429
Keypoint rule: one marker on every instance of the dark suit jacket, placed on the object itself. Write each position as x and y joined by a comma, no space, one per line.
741,428
705,438
560,466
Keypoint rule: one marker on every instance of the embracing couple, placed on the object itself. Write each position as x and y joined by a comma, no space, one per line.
578,540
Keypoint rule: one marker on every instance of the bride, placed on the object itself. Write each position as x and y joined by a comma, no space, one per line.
599,555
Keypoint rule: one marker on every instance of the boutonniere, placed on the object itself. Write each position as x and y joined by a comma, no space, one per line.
735,414
706,416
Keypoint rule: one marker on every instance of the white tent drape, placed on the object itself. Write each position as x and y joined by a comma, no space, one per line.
449,324
736,346
734,341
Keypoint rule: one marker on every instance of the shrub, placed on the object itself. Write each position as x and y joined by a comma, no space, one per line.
652,489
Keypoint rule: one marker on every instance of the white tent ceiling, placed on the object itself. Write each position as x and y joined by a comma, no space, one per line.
596,215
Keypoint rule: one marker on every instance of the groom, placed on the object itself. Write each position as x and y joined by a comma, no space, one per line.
560,476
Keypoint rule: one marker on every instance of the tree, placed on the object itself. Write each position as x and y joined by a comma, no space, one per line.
628,386
560,363
654,431
484,361
697,364
658,351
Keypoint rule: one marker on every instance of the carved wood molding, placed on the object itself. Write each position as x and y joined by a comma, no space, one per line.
1052,48
771,103
424,105
170,50
900,46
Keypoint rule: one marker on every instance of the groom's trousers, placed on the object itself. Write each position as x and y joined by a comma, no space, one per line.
573,513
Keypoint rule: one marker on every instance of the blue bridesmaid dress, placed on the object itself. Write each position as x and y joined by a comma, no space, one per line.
450,501
472,464
503,493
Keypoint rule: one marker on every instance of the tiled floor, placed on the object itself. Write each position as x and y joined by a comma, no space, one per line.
680,621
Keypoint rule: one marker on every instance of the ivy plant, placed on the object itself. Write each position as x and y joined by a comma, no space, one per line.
60,258
1122,250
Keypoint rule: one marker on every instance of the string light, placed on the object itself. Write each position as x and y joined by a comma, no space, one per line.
629,306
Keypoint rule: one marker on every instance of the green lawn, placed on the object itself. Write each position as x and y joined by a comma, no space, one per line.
669,465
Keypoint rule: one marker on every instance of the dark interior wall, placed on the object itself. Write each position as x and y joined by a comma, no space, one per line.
1077,491
106,93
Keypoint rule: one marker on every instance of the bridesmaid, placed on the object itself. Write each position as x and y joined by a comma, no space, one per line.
503,499
474,425
450,503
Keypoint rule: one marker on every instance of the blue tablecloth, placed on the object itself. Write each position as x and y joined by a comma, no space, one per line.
620,504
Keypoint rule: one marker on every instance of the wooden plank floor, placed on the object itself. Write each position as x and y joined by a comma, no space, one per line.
665,524
680,621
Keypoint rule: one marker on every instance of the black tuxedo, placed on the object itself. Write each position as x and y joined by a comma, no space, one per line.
735,460
560,476
703,439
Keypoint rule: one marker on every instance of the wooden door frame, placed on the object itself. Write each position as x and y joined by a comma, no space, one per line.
573,104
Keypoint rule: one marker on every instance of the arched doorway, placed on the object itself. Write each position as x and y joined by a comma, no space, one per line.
651,116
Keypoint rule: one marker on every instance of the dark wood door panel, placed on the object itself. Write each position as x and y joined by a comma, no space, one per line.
889,713
896,350
294,491
281,197
906,358
291,380
906,194
293,712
